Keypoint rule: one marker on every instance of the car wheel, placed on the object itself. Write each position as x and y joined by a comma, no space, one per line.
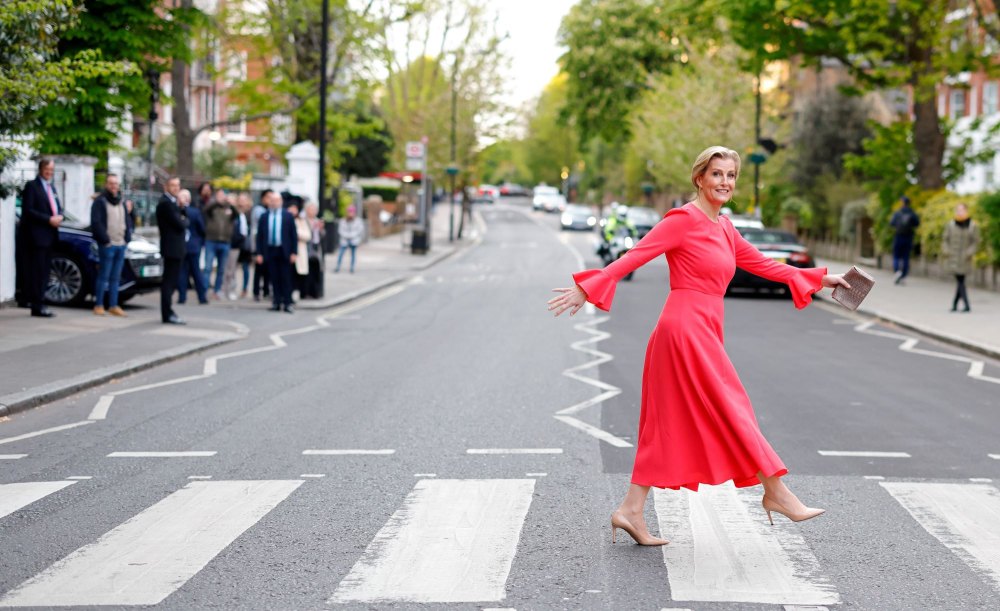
67,282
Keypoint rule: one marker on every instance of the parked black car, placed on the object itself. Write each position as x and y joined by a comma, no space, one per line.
776,244
73,271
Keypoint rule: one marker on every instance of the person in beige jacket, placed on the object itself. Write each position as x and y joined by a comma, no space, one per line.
958,245
304,233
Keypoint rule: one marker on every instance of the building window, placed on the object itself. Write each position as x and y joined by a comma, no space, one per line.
990,93
958,103
238,129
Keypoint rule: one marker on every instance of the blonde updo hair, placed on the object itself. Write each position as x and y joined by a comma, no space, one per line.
706,157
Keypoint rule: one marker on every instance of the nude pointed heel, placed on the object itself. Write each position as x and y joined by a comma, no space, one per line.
772,505
619,521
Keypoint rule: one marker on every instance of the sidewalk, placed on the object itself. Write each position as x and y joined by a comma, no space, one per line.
924,305
42,360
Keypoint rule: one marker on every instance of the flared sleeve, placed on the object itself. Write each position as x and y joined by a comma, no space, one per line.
599,284
802,282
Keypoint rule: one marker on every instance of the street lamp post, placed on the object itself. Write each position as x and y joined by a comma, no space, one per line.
154,97
325,42
452,168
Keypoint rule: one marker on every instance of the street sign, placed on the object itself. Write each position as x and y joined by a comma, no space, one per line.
415,163
758,158
415,150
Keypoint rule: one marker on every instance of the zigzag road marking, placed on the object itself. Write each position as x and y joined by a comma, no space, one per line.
909,344
211,366
566,415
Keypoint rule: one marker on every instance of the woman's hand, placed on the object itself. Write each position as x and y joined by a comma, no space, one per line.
834,280
571,299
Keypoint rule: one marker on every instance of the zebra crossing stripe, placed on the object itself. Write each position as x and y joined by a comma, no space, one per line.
964,517
452,541
144,560
16,496
719,551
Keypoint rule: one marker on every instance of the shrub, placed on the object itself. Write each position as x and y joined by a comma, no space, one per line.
936,211
800,209
852,212
388,194
989,206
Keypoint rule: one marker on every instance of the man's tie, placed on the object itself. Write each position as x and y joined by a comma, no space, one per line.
52,200
274,228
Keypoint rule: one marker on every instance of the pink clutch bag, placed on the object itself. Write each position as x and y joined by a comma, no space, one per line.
861,284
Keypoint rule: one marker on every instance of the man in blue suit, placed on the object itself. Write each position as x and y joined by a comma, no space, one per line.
277,243
195,241
41,215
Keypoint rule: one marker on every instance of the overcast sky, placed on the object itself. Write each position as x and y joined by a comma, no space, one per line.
532,45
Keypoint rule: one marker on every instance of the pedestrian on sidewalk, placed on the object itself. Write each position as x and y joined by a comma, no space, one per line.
204,196
241,229
314,281
276,247
958,246
260,280
172,221
905,221
41,216
220,221
194,239
350,230
300,271
111,225
245,206
697,425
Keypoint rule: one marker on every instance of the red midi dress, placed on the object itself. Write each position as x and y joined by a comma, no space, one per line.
696,424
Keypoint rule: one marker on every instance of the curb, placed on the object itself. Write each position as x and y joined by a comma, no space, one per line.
27,399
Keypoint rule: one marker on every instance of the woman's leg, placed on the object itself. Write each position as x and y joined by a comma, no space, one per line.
962,291
632,510
958,291
354,251
340,257
777,491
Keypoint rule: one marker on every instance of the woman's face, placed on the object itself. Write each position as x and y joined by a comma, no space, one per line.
961,212
293,209
718,181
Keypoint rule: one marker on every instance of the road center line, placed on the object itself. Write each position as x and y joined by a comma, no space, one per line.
192,454
54,429
514,451
864,454
347,452
12,456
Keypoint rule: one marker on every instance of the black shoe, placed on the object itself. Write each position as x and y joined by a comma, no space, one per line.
289,309
43,313
274,308
174,320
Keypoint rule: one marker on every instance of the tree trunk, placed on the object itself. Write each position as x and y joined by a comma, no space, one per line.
182,117
929,142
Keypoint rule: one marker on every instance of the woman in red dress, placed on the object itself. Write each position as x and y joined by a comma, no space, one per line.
696,424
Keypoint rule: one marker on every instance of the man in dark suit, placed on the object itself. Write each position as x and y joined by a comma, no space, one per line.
173,224
41,215
191,267
277,243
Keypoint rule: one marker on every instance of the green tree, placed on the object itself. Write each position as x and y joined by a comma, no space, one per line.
615,48
915,44
552,143
371,151
142,35
504,161
32,74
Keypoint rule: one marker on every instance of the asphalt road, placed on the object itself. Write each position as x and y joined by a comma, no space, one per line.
436,381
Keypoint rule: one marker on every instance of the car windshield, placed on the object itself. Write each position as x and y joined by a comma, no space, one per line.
577,209
769,237
546,191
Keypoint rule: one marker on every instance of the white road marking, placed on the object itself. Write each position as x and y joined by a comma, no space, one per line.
80,478
535,474
347,452
313,475
202,477
16,496
452,541
147,558
805,608
189,454
980,480
864,454
54,429
567,415
514,451
211,364
976,366
425,475
874,477
719,552
12,456
964,517
994,456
